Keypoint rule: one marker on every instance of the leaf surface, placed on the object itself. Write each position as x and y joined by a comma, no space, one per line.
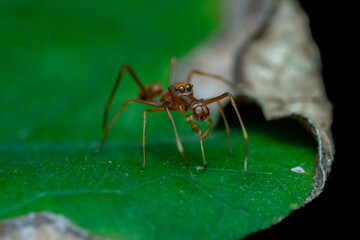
111,196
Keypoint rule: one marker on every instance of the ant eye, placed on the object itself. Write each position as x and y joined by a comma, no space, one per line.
188,87
182,89
176,89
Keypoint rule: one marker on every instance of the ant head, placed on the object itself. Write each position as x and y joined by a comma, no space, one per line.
181,88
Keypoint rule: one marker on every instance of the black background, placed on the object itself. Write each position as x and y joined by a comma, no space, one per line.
334,213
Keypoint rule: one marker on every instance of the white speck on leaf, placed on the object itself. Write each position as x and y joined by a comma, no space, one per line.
199,168
298,170
110,161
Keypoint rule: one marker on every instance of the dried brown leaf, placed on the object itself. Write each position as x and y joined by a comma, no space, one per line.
266,49
43,226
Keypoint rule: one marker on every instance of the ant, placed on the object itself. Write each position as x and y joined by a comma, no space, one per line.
179,96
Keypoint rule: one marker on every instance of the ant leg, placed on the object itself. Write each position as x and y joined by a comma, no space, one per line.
178,142
196,128
144,126
136,79
108,127
210,75
172,70
233,103
226,126
205,134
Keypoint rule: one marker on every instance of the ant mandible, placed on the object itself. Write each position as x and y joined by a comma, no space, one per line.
179,96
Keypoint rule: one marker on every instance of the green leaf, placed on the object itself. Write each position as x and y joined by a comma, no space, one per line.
111,196
59,62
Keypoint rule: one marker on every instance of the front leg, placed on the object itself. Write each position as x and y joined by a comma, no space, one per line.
233,103
190,120
196,128
205,134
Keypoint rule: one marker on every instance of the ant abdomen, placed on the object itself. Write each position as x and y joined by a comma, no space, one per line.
152,90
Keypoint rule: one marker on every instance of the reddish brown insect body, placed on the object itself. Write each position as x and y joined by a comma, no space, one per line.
179,96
